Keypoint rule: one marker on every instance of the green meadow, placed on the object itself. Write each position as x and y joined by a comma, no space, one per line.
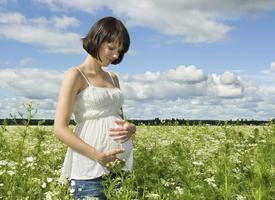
170,162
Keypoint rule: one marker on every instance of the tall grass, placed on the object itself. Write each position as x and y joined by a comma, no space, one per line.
170,162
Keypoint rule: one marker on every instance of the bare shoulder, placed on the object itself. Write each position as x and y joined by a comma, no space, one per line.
72,78
72,75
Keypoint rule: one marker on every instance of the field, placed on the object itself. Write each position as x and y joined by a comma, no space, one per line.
171,162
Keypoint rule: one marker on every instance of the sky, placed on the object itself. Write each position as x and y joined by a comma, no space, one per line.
191,59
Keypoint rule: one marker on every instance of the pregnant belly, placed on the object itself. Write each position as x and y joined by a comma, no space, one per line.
127,146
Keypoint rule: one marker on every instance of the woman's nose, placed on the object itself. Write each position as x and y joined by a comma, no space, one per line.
115,55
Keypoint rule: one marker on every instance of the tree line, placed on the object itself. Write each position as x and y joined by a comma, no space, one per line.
150,122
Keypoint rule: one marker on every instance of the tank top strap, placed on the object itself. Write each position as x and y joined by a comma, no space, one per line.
112,79
88,82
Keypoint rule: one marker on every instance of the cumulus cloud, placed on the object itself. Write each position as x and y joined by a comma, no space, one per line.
190,21
182,82
148,76
48,33
156,85
228,91
228,78
226,85
31,83
149,95
185,74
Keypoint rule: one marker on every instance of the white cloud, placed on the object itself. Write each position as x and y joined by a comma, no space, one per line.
48,33
149,95
228,78
158,85
12,18
64,22
226,85
181,82
185,74
148,76
228,91
31,83
191,21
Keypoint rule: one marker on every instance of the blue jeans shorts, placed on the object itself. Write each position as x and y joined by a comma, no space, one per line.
83,189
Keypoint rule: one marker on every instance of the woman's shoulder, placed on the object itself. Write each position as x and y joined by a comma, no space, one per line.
72,77
72,80
72,71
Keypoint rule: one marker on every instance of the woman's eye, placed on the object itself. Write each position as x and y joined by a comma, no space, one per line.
111,48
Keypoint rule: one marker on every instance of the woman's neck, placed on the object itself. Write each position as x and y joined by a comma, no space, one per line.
92,65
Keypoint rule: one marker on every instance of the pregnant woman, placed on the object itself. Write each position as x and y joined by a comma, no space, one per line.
93,96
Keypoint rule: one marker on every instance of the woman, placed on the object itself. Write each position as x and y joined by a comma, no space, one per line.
93,95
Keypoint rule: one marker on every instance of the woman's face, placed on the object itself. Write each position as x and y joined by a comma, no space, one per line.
109,52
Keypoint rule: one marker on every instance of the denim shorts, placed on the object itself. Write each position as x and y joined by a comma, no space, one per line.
83,189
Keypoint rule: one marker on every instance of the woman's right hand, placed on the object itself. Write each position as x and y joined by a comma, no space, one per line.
105,158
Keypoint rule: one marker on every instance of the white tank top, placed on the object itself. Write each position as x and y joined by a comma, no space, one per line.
95,110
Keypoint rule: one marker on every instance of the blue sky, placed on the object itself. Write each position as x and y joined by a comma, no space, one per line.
188,59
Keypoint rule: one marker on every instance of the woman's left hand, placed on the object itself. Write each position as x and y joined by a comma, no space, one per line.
123,131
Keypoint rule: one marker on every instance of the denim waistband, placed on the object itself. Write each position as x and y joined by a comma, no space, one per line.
100,178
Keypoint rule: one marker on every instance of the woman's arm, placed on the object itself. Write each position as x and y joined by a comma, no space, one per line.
69,88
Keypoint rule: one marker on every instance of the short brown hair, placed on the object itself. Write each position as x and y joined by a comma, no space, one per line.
107,29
